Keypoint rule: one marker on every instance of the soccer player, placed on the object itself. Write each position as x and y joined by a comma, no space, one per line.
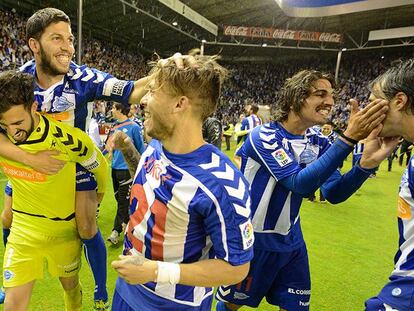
328,132
121,179
284,163
249,122
189,227
44,225
397,86
66,91
247,125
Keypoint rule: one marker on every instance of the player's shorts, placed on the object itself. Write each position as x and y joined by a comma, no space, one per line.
282,277
24,258
85,180
8,189
131,298
398,294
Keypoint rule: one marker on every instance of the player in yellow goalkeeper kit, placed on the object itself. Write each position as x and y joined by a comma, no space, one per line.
44,226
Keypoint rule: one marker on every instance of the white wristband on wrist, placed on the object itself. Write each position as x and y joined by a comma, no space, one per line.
168,272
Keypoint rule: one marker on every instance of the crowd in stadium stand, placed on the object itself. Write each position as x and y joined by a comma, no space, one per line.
257,83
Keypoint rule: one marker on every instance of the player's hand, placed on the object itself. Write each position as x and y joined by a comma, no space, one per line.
180,61
119,140
135,269
362,122
376,149
44,161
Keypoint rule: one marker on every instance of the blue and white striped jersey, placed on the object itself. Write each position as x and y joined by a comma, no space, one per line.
358,149
186,208
71,99
250,122
404,259
268,155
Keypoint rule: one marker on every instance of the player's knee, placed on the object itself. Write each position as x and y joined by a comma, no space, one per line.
14,302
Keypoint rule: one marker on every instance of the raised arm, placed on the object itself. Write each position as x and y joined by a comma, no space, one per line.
121,141
42,161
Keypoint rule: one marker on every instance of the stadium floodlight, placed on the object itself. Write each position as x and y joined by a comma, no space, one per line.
174,23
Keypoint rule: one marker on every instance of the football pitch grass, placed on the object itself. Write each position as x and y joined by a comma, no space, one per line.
351,247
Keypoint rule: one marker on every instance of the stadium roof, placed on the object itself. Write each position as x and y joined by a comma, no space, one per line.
148,25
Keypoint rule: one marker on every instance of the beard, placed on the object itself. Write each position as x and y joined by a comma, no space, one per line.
26,132
159,130
48,67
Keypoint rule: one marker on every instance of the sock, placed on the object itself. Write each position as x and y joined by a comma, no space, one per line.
95,253
73,298
6,233
221,306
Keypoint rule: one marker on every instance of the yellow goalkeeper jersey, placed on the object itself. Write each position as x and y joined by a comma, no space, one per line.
46,203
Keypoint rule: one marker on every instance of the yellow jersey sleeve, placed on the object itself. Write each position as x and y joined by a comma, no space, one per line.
81,149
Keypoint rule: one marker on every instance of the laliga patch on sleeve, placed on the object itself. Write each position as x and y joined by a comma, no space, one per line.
114,86
246,230
281,157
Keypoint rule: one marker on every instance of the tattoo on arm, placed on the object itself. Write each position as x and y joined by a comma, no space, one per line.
131,156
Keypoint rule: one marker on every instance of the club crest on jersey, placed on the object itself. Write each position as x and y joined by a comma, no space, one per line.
281,157
8,275
307,156
247,234
63,103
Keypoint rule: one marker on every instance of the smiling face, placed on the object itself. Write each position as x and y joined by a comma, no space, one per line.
158,107
19,122
54,50
318,104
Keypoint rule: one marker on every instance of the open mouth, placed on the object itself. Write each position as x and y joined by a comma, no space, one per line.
63,59
19,135
324,110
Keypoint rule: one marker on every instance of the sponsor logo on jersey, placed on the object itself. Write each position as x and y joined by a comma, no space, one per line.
281,157
299,291
247,234
8,275
156,169
22,173
404,210
304,303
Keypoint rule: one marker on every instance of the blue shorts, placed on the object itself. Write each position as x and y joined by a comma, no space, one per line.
397,294
142,299
8,189
282,277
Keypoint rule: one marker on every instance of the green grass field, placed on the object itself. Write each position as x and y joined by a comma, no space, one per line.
351,248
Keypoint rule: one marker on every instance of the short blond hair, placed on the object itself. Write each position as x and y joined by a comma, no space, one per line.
201,79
